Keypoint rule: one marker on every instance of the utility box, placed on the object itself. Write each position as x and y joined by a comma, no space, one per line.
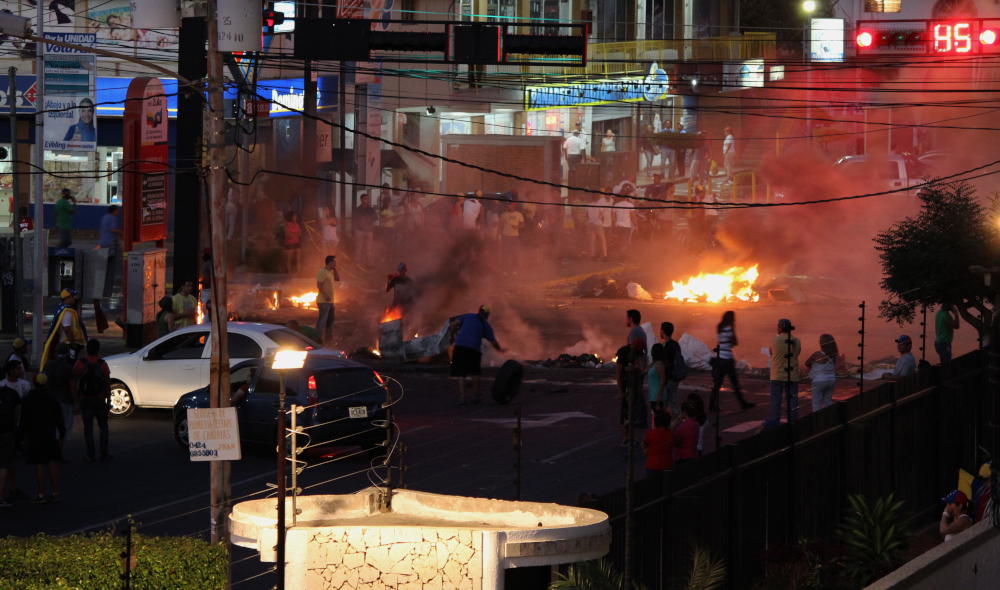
62,270
28,255
145,285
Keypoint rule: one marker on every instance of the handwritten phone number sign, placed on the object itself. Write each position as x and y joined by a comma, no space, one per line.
213,434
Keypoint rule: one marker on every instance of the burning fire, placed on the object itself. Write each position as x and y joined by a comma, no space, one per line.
200,318
305,300
273,301
393,313
734,284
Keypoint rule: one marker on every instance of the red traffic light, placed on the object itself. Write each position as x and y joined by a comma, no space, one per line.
864,39
988,37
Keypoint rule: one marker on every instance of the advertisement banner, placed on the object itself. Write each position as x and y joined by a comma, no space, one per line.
826,39
70,95
111,22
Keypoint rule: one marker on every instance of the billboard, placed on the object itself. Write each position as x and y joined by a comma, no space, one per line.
826,39
70,95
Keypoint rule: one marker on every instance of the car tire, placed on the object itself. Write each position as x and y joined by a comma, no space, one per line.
122,403
181,432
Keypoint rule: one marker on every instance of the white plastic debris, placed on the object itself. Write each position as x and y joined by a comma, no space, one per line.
635,291
647,327
696,353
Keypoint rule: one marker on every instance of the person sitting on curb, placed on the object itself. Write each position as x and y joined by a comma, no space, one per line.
955,518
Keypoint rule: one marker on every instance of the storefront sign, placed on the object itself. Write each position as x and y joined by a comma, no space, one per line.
144,178
652,87
744,74
26,95
826,39
213,434
256,109
351,9
154,198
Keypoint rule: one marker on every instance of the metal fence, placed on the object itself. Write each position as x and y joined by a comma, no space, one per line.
907,438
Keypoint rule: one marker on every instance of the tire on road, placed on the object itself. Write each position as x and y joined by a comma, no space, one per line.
122,403
507,382
181,432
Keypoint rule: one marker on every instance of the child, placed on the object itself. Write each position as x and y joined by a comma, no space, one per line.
658,444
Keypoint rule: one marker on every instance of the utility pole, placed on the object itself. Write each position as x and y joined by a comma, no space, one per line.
16,174
221,492
38,309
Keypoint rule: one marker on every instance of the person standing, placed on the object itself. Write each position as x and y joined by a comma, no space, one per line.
330,238
511,224
646,147
467,332
608,143
365,218
21,353
10,411
822,366
729,154
93,383
16,385
945,324
686,434
725,364
414,214
293,245
111,232
658,444
675,366
324,299
403,295
630,367
633,321
785,350
165,323
596,214
232,212
65,210
667,155
66,327
41,421
472,214
657,377
573,149
625,221
185,306
62,383
386,223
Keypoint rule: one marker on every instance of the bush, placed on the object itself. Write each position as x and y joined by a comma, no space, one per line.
93,562
875,536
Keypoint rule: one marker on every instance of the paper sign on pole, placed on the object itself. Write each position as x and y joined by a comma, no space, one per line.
213,434
240,24
155,14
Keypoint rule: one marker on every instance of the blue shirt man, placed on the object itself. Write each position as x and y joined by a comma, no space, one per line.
110,227
470,330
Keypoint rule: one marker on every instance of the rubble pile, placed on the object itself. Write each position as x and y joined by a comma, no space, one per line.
568,361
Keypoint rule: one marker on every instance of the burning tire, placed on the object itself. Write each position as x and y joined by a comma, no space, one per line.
508,382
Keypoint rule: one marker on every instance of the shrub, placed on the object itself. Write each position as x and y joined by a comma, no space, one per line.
93,562
875,538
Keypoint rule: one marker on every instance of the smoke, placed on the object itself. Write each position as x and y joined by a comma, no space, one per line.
594,342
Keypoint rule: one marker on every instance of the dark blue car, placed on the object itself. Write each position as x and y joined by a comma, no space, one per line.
344,403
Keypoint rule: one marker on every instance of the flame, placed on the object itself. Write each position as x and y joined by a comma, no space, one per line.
376,352
273,301
734,284
200,318
393,313
305,300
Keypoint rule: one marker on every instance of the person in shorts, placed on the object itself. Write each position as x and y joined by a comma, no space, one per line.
41,421
469,330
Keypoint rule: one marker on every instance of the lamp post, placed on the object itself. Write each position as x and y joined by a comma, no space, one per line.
809,7
283,361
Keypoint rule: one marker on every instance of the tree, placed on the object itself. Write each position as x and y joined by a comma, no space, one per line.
926,258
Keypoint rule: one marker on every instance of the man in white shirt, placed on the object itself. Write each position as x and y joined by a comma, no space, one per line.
729,154
624,222
573,148
472,210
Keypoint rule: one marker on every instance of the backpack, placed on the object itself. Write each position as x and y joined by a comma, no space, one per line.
91,383
680,366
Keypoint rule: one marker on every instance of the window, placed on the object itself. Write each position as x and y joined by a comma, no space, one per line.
888,171
286,338
408,9
183,346
883,5
340,383
269,382
243,347
241,376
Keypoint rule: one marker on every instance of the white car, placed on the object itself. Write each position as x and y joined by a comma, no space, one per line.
157,375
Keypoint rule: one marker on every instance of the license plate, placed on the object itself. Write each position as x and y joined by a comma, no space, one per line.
359,412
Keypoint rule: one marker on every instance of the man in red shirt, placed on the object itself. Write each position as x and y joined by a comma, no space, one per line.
94,390
26,223
658,444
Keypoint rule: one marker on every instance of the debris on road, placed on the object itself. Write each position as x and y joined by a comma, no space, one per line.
568,361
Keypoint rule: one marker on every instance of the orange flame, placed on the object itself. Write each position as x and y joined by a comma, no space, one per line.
393,313
736,284
305,300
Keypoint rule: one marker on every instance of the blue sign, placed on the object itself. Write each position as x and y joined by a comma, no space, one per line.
114,91
26,95
654,86
84,39
288,96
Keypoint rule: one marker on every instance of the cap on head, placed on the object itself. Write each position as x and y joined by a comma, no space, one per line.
68,293
19,343
785,325
401,267
65,192
41,379
956,497
484,309
902,339
985,470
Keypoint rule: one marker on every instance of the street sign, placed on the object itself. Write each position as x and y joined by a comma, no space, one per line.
213,434
257,109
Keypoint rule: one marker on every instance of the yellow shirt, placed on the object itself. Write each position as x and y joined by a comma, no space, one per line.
779,348
183,303
511,220
388,218
325,279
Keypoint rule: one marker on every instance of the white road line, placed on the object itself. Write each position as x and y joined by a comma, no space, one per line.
579,448
160,507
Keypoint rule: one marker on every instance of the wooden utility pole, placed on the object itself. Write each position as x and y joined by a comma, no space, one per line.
219,313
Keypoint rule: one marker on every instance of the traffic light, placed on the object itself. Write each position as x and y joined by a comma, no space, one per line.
272,18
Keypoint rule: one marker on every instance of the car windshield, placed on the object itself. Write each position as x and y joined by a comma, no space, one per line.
286,338
345,382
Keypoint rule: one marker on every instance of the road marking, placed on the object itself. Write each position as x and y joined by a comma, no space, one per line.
160,507
549,419
579,448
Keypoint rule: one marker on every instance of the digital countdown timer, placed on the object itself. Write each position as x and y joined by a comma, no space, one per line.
928,37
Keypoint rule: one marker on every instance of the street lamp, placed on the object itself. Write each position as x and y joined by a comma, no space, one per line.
809,6
283,361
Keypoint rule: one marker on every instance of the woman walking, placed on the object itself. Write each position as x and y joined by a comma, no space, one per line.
725,364
657,378
822,367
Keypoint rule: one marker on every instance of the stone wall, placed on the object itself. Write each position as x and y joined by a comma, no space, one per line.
394,558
